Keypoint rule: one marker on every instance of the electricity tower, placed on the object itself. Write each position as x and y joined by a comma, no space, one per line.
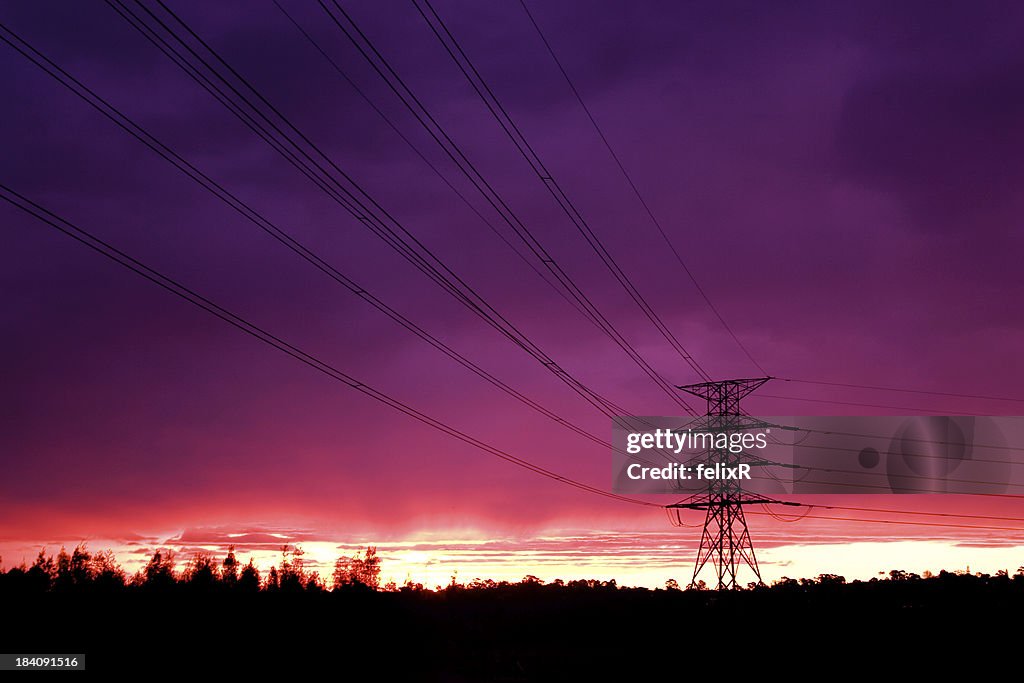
725,541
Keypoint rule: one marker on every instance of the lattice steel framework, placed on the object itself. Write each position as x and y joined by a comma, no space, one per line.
725,540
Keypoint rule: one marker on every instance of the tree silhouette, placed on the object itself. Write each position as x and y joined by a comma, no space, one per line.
273,581
229,568
249,579
40,575
201,573
107,575
358,570
158,574
313,583
80,568
831,579
481,630
63,580
292,575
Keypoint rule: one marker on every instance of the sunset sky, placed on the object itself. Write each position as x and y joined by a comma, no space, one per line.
842,179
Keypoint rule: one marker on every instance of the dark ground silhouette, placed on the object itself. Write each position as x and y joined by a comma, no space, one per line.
222,616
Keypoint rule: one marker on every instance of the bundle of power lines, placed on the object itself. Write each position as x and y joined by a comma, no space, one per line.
185,48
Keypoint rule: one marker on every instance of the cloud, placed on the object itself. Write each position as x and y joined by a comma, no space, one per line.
945,143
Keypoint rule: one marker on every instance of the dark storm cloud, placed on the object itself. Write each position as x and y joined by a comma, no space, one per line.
842,178
948,144
933,119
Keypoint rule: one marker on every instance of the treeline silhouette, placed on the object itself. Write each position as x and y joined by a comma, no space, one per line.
173,614
85,571
82,570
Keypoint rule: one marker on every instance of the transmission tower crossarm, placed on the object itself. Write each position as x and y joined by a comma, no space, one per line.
705,505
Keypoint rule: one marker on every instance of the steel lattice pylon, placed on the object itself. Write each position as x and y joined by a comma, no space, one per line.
725,541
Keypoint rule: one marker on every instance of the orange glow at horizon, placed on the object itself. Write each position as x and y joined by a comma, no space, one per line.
647,559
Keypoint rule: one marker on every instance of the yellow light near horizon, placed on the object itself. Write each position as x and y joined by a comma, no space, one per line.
643,565
414,557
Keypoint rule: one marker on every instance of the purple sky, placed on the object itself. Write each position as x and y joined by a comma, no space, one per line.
841,178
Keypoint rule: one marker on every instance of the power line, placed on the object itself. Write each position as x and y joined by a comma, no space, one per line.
169,284
384,117
881,487
859,405
636,190
900,477
437,132
363,208
808,507
887,489
342,188
245,210
927,456
917,512
902,522
94,243
903,390
508,125
908,439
